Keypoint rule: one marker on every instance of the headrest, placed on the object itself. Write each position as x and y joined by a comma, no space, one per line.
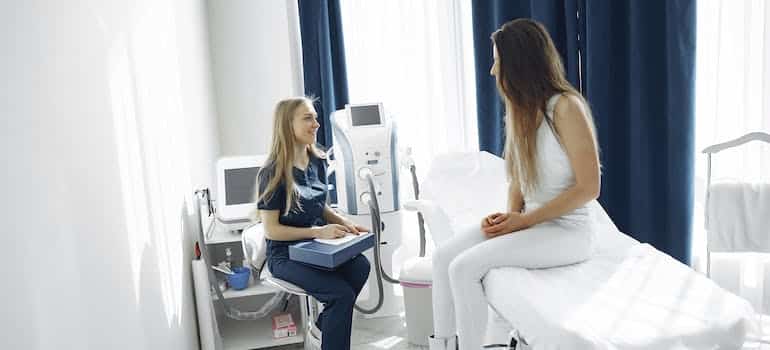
466,185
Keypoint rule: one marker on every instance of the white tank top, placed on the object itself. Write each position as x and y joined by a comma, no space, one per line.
554,171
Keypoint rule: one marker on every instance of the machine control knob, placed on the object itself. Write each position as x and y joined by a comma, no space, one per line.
363,172
365,197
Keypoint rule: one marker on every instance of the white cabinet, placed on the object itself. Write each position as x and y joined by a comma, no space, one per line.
217,330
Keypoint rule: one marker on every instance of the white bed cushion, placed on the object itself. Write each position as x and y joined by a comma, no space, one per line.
629,296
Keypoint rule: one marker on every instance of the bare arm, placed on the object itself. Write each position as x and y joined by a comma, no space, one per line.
276,231
333,217
574,128
515,204
576,134
515,198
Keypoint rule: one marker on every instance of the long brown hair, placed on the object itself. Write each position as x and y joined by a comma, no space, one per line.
530,71
281,157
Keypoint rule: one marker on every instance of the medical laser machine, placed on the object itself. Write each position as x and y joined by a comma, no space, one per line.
367,168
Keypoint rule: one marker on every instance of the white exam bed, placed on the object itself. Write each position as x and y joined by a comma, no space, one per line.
628,296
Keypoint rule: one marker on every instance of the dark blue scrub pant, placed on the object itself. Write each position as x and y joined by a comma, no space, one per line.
337,290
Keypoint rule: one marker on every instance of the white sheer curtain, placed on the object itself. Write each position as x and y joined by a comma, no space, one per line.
732,99
417,58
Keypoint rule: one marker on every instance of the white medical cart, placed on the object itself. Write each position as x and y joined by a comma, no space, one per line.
217,331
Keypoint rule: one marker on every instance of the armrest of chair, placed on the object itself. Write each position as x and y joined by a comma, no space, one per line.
437,220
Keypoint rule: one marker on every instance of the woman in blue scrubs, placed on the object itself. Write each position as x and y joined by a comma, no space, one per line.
292,205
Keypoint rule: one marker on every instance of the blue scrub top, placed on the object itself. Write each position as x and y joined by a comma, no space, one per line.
312,187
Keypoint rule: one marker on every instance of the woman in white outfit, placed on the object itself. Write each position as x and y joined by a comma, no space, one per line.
553,167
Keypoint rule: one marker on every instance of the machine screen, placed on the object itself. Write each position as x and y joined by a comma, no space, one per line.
365,115
239,185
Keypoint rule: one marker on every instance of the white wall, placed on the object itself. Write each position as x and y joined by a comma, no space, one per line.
255,62
107,125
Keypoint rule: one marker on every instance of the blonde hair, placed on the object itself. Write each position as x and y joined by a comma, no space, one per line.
281,157
530,71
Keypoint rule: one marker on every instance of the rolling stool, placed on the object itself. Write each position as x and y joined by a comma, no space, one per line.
254,250
310,309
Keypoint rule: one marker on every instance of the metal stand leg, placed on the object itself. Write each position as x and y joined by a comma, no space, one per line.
708,263
312,333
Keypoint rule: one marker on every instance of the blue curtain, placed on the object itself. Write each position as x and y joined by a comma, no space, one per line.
637,73
323,60
559,16
639,79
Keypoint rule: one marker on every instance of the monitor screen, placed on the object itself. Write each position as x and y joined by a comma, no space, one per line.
365,115
239,185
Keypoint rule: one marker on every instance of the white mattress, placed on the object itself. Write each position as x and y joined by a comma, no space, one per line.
629,296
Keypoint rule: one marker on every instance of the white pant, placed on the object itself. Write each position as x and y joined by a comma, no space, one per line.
460,264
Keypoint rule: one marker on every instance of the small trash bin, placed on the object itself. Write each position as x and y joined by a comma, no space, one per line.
417,282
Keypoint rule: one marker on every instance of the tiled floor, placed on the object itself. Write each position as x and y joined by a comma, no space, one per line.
381,333
386,333
389,333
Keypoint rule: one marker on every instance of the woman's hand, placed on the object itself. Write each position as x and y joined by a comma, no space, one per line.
498,224
489,221
330,231
353,228
332,216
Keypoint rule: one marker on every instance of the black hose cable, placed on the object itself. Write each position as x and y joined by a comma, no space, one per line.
374,210
380,289
374,207
379,263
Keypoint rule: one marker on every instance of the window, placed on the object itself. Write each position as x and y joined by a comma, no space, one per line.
416,57
732,99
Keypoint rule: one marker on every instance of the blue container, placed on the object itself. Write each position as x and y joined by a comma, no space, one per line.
240,279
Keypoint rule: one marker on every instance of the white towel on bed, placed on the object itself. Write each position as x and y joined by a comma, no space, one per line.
738,217
640,299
